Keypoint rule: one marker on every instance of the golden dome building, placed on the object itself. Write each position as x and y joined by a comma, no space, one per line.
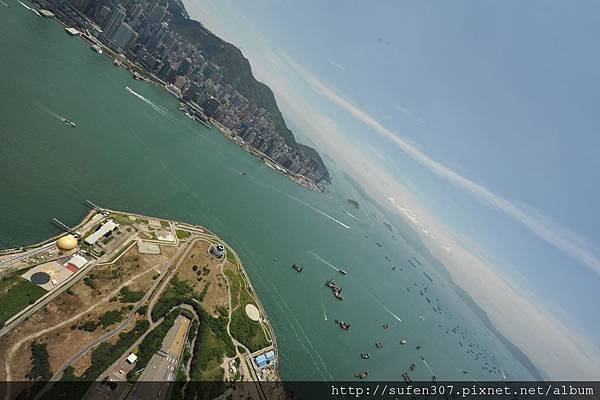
67,242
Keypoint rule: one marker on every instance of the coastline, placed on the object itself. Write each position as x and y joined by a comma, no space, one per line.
140,73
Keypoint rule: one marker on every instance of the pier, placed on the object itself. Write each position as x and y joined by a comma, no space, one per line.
65,228
95,207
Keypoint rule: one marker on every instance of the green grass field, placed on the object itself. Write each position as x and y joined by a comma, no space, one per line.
16,293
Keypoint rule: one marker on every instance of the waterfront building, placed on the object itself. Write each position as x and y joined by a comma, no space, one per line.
114,21
103,230
125,36
210,106
67,242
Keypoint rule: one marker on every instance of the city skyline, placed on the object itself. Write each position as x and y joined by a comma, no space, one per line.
140,32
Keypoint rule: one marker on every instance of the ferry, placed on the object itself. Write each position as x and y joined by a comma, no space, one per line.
96,48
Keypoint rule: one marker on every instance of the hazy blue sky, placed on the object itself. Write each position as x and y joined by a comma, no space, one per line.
479,119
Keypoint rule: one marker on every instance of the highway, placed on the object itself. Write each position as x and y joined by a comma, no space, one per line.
154,383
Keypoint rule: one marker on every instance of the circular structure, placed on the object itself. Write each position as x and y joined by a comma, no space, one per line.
40,278
67,242
252,312
217,250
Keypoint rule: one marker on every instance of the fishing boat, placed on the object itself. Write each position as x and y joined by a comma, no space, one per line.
362,374
343,325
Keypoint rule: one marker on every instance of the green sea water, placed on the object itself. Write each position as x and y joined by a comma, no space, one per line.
134,150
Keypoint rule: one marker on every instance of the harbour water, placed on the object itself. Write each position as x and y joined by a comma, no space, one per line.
134,150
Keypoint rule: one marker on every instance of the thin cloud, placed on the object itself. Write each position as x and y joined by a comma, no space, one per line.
402,109
338,66
541,226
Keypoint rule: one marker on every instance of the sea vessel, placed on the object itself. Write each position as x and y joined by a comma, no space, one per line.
403,341
343,325
341,271
362,374
406,378
69,123
297,268
96,48
365,356
379,345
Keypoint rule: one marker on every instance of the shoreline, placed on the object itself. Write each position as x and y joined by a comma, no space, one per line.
140,73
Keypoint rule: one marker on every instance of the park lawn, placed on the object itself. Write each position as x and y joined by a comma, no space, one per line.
182,234
246,331
17,293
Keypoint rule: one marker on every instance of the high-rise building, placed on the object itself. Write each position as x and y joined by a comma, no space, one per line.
101,15
210,106
114,21
158,12
184,66
159,36
124,36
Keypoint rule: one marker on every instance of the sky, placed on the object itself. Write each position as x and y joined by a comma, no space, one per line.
476,122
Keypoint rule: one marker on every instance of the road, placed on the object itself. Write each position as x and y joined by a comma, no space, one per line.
154,383
166,271
17,319
26,313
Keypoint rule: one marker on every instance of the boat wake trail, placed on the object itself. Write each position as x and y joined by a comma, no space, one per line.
157,108
381,303
24,5
428,367
324,312
4,4
52,113
324,261
325,214
353,216
304,203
